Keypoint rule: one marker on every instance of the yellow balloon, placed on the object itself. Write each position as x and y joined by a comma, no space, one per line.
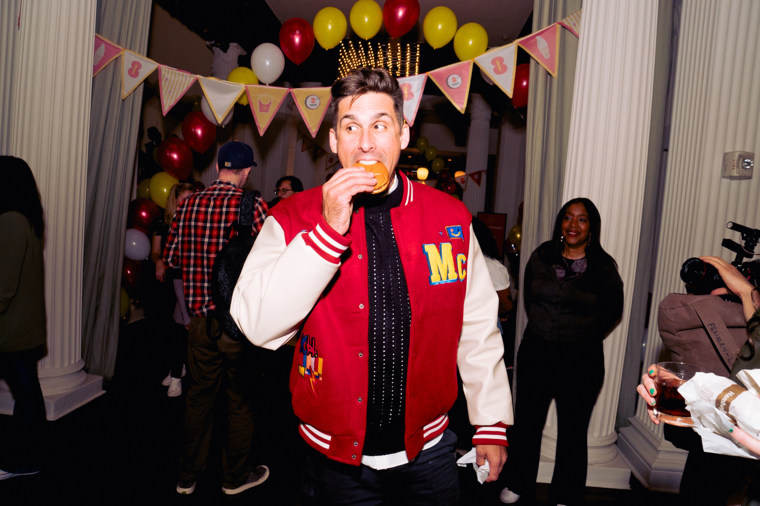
143,189
366,18
470,41
160,185
329,27
439,26
242,75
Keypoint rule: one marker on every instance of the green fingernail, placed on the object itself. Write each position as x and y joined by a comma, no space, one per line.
651,391
654,402
731,429
651,372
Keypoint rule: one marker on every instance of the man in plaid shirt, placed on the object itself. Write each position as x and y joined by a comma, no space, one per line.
201,227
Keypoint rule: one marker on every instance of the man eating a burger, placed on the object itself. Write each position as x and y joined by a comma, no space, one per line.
383,286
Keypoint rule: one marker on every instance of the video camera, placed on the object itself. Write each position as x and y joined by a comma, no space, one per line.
702,278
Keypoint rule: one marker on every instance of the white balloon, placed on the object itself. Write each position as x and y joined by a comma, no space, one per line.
206,109
137,246
267,62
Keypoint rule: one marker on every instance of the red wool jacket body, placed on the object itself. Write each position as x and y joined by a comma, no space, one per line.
303,278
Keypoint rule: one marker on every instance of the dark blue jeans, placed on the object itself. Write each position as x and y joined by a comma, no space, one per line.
431,479
21,450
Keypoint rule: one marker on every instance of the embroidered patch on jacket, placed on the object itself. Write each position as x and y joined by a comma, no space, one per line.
311,362
444,268
455,232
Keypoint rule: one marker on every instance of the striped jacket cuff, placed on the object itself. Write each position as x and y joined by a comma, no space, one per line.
328,244
491,435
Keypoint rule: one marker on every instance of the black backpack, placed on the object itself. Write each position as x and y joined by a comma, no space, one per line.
226,270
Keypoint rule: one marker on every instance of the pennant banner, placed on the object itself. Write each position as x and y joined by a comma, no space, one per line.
543,46
412,87
573,22
265,101
476,176
104,53
454,81
499,65
221,95
172,84
134,69
312,104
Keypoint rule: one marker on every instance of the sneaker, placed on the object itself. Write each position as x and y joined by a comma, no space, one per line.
185,487
256,477
175,388
508,497
167,381
4,475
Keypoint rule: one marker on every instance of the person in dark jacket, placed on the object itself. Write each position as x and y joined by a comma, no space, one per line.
573,297
23,331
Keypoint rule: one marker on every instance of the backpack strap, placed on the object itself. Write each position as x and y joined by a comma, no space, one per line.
716,329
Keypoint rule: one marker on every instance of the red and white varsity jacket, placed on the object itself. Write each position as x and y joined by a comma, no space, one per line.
303,278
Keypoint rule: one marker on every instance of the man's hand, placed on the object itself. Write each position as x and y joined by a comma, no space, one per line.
338,196
496,455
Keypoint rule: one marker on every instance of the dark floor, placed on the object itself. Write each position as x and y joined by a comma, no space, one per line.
123,447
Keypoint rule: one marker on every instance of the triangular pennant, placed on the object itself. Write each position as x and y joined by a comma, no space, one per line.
573,22
265,101
312,104
134,69
454,81
104,53
499,65
172,84
221,95
462,180
476,176
412,86
543,46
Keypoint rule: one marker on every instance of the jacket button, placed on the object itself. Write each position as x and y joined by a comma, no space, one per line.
360,256
361,306
361,354
359,399
353,457
356,443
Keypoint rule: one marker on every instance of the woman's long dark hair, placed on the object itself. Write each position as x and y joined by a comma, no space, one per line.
594,248
19,192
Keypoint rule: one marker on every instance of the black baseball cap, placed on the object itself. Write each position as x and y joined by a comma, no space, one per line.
235,155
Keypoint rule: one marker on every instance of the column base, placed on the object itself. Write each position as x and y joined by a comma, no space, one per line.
655,462
62,403
614,474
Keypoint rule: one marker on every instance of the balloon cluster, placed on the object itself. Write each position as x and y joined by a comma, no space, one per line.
445,180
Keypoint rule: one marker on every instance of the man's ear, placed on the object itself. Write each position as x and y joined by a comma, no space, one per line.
405,133
333,141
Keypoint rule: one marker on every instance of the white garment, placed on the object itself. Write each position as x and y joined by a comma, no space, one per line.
499,274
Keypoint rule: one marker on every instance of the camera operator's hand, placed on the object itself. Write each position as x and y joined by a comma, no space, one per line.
735,282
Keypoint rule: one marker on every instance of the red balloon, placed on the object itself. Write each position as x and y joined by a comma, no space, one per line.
142,213
175,157
449,187
400,16
520,92
130,273
296,39
199,133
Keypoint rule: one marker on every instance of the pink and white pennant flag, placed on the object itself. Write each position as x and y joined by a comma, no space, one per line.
265,101
413,87
543,46
104,53
221,95
134,69
172,84
454,81
573,22
499,65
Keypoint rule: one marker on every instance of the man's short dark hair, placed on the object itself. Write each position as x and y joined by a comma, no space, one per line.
367,80
295,184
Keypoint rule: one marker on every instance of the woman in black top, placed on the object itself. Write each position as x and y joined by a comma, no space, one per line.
573,297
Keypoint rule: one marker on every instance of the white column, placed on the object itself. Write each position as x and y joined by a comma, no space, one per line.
510,171
715,104
50,119
607,162
477,153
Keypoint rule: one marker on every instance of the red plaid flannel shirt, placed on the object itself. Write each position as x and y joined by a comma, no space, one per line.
201,226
